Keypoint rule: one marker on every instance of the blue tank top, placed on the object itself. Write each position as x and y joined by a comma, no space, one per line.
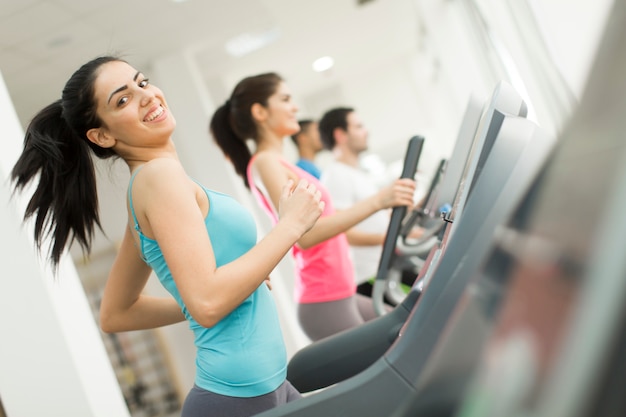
244,354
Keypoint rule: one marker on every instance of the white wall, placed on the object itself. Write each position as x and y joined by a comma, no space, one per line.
572,41
546,56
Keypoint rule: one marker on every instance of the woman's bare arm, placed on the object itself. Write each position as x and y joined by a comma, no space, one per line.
274,175
124,306
166,197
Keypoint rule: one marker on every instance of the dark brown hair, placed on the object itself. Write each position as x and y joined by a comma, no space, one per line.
331,120
58,153
232,123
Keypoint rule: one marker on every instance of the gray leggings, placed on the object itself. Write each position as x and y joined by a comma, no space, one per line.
203,403
319,320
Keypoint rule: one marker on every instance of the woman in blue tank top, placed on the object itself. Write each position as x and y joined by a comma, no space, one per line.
201,244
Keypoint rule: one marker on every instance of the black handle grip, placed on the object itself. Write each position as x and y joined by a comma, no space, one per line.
411,159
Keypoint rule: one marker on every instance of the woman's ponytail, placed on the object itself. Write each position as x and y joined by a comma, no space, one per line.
232,123
64,203
233,146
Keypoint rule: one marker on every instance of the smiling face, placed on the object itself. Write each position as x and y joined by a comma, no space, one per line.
133,112
281,112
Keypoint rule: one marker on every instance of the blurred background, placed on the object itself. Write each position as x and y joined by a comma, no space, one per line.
407,66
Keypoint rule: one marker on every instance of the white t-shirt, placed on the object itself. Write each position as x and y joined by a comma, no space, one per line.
348,185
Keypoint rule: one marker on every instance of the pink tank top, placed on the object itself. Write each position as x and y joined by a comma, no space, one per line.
324,272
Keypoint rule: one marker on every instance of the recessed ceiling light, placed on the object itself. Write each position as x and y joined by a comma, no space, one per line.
322,64
248,42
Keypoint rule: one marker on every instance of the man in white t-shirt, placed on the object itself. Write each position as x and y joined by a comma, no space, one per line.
343,132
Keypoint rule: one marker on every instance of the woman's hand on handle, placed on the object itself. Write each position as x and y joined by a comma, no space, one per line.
300,205
400,193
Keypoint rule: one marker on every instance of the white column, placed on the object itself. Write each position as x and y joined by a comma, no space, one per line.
52,359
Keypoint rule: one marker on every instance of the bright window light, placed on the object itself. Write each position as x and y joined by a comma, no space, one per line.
322,64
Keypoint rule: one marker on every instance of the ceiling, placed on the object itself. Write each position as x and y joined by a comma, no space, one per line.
43,41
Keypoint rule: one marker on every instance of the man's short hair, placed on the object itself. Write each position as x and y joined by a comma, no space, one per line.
331,120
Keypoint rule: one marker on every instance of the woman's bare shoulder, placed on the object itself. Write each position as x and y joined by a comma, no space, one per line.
159,168
267,157
160,174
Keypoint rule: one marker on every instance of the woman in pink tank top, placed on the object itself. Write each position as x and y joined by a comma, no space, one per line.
260,108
